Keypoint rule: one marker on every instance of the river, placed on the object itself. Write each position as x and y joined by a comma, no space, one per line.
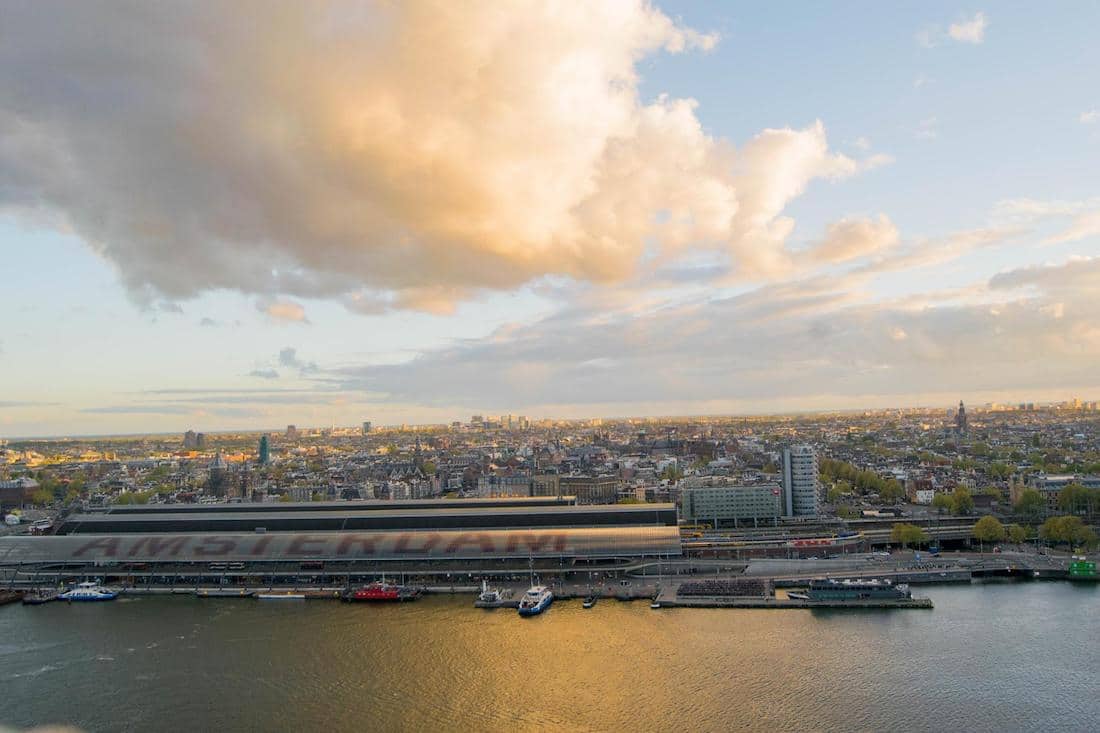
989,657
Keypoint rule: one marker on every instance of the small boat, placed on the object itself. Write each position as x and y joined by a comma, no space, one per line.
588,602
655,604
488,595
38,597
536,600
281,596
10,596
797,596
89,591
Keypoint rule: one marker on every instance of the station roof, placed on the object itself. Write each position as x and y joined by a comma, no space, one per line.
602,542
394,519
360,505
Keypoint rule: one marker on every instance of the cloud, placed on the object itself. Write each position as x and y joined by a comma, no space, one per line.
288,357
169,307
969,31
208,323
849,239
282,310
1090,117
264,373
389,155
808,342
1083,226
9,404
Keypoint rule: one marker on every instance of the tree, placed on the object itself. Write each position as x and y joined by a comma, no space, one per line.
1065,528
285,498
988,529
907,534
942,502
1016,534
961,501
42,496
1030,503
1074,498
891,491
1000,470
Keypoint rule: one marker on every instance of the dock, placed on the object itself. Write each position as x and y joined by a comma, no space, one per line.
671,600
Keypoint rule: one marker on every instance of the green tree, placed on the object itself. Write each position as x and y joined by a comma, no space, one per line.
961,501
285,498
1017,534
892,491
907,534
988,529
941,502
1000,470
42,496
1074,498
317,496
1030,503
1066,529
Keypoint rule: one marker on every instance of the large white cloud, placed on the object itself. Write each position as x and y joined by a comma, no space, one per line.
392,154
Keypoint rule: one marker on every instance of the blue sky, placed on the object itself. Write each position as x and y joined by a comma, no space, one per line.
480,223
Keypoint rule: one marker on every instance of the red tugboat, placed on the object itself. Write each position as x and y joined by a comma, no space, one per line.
383,592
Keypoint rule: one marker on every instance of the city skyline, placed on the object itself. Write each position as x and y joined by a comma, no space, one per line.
648,210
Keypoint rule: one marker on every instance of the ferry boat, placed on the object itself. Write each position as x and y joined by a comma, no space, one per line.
488,595
89,591
384,592
536,600
848,589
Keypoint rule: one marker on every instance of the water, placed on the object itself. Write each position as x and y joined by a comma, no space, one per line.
992,657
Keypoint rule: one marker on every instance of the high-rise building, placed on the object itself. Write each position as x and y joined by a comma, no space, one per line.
265,451
291,432
366,427
189,440
800,481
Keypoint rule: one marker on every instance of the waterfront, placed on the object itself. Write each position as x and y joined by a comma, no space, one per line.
993,656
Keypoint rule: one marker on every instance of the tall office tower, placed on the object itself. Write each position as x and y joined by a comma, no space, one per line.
366,427
800,481
265,451
291,432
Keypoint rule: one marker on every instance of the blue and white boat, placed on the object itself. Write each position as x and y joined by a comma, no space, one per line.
89,591
536,600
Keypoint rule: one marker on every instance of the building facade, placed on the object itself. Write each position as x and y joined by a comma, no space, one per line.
727,505
800,481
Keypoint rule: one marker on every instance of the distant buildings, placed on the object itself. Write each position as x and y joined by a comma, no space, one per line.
800,481
366,427
194,441
265,451
291,432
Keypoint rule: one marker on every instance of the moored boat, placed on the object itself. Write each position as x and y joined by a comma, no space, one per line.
383,592
488,595
588,602
89,591
38,597
536,600
281,596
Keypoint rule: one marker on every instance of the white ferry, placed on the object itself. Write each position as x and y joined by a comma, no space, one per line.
89,591
536,600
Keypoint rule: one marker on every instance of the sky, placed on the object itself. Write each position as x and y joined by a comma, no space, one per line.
229,217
